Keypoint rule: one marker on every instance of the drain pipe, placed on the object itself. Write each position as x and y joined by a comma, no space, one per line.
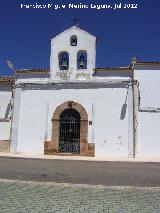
13,87
134,60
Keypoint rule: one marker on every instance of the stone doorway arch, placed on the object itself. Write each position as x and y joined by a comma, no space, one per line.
83,126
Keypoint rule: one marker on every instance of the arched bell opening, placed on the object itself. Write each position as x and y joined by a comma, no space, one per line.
73,40
82,59
63,60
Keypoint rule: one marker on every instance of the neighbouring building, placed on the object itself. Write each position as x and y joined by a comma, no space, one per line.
74,108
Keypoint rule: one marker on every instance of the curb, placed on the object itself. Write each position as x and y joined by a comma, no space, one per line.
78,158
137,188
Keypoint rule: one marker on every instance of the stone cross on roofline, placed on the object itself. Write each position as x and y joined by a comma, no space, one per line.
75,20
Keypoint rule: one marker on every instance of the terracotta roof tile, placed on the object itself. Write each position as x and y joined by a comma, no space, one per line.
6,79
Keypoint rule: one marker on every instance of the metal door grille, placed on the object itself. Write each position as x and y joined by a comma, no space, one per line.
69,134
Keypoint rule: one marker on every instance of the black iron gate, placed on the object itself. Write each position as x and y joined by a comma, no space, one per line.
69,133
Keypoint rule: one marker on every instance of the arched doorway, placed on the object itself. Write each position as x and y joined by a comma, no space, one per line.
69,131
70,120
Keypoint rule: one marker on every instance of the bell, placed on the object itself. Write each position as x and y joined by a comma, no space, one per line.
64,64
81,64
74,42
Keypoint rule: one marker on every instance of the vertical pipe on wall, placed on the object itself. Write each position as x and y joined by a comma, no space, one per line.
130,119
12,108
134,124
134,91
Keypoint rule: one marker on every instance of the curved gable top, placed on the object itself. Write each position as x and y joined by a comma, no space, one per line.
73,29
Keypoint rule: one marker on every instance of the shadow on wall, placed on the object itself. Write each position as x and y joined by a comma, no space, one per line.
123,111
7,111
124,108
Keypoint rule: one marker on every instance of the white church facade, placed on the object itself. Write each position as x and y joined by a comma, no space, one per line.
74,108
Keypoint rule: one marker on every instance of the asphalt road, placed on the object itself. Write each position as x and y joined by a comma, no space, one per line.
81,172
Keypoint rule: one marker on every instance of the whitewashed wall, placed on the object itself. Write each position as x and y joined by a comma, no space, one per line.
5,99
109,130
148,114
113,128
31,130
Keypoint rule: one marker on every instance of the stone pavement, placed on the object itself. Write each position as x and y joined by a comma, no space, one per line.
34,197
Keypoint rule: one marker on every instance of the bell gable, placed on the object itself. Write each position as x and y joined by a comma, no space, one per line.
73,55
